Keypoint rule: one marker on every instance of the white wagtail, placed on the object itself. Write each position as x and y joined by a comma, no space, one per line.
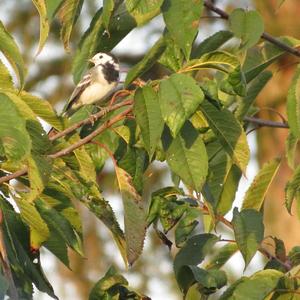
96,84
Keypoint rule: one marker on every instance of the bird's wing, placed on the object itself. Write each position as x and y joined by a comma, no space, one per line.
81,86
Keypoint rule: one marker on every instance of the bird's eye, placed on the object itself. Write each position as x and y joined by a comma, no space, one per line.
101,56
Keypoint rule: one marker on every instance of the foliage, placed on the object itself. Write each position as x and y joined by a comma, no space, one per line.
194,118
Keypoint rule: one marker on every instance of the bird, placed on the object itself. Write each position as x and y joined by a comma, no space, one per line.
96,84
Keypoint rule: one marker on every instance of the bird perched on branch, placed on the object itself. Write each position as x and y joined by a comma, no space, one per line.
96,84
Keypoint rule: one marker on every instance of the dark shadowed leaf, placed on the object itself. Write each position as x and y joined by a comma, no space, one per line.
194,250
249,232
207,281
229,132
221,256
187,157
212,43
147,62
59,224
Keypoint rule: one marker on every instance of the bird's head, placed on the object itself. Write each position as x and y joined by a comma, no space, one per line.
104,58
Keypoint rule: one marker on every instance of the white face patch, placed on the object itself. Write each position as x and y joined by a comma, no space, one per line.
103,58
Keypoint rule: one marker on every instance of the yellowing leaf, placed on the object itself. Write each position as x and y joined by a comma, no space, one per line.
44,24
134,218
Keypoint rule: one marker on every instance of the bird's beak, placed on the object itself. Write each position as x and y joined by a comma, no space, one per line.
91,60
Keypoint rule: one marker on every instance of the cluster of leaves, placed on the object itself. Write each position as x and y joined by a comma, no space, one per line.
193,119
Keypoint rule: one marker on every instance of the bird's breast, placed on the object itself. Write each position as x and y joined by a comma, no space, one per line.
95,92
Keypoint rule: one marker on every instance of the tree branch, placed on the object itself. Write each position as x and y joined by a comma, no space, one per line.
81,142
266,36
89,120
92,135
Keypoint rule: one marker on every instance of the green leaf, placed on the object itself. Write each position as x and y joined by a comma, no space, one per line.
88,193
212,43
52,8
291,189
252,92
186,225
39,170
229,132
182,20
108,9
6,81
172,57
249,231
147,62
246,25
222,256
42,109
256,287
207,281
56,245
229,189
179,97
293,104
272,53
39,231
25,265
110,280
148,117
143,10
256,193
96,39
187,157
4,285
290,149
194,251
134,219
44,24
86,166
59,224
213,60
14,139
68,14
12,53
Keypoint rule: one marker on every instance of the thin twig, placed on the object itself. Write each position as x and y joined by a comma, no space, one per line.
5,263
266,123
266,36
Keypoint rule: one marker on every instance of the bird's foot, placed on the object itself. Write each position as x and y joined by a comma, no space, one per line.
92,119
